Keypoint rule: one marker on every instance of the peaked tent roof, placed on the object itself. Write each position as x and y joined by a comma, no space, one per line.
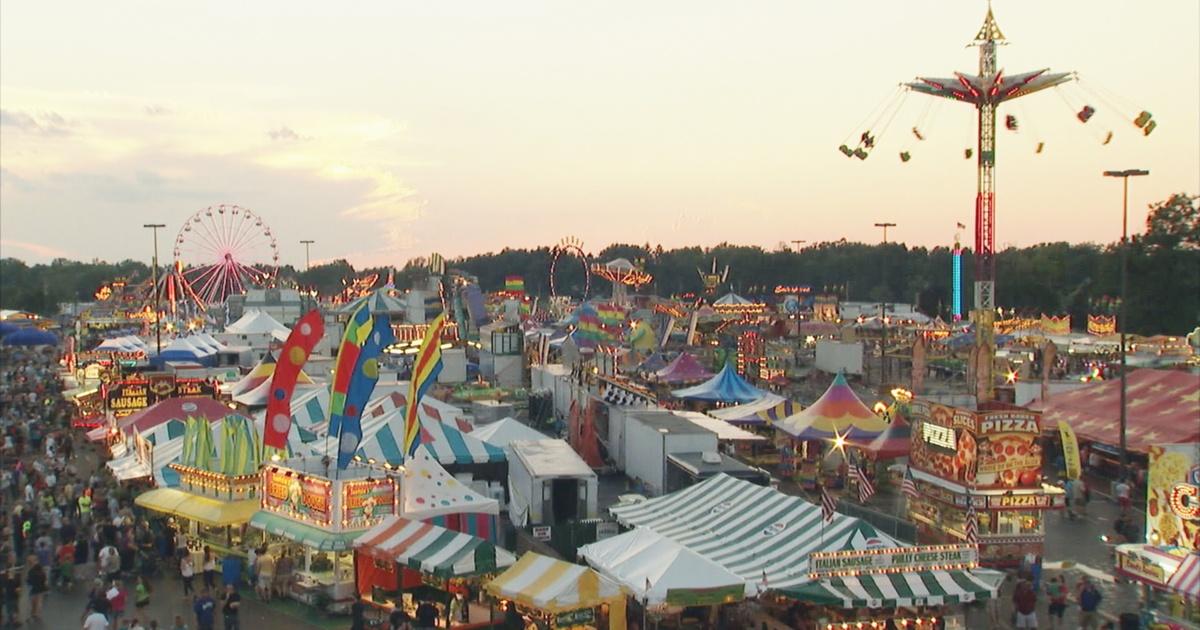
555,586
683,369
430,491
653,567
732,298
261,372
726,386
769,409
160,412
506,430
653,363
379,301
257,397
1163,406
431,549
443,433
839,411
256,323
31,337
895,441
749,530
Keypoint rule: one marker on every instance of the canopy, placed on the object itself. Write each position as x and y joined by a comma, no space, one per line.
659,570
818,329
769,409
895,441
653,363
162,411
732,299
307,535
197,508
1186,579
916,588
258,396
181,350
554,586
128,467
504,431
258,323
429,491
30,337
259,374
839,411
431,549
726,386
1162,408
383,428
750,530
379,300
724,430
128,343
683,369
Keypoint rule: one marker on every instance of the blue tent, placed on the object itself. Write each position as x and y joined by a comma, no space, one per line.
31,337
726,386
7,328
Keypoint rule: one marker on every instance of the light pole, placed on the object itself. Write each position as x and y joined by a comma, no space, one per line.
306,243
1124,175
665,432
154,279
798,244
883,309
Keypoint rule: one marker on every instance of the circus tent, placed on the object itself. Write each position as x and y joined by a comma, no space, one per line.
726,387
838,412
683,369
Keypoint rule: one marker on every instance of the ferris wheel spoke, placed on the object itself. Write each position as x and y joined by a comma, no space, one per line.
242,239
210,236
203,273
205,288
203,237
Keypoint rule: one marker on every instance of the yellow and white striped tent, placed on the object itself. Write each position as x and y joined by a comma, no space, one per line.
554,586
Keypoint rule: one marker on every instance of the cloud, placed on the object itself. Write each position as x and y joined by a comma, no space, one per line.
157,110
46,123
38,249
285,134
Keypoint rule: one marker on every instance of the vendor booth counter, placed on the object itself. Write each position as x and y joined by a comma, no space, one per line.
210,508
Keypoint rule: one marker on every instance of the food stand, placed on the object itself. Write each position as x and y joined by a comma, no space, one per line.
401,562
987,461
558,594
314,514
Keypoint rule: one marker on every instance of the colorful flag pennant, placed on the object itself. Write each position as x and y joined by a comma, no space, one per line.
296,350
426,367
357,331
362,383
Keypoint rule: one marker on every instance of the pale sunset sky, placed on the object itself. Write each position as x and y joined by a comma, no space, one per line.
389,130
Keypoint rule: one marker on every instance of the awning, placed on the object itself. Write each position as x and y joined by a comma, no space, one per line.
128,467
197,508
431,549
922,588
555,586
1186,579
658,570
307,535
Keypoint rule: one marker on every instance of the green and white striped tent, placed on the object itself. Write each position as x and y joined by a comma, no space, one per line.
766,536
432,549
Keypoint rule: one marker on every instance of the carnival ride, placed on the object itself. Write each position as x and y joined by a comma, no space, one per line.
986,91
622,274
221,251
570,247
713,278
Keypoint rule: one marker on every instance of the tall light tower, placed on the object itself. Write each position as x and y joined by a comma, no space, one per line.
306,243
986,91
883,318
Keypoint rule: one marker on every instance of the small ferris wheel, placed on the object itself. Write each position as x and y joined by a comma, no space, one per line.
224,250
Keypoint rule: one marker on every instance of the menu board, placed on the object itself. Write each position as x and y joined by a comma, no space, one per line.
1173,496
301,497
126,397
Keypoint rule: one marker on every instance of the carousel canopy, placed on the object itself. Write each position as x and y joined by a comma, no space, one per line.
895,441
653,363
726,386
732,299
838,411
683,369
554,586
1163,406
430,549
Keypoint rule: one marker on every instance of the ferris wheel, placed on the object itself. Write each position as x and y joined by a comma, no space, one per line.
224,250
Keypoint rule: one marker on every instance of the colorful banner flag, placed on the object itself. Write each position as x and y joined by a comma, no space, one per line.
362,383
240,449
296,350
514,284
1101,324
426,367
357,331
1070,449
1052,325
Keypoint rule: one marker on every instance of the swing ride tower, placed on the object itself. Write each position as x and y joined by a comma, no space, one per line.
986,91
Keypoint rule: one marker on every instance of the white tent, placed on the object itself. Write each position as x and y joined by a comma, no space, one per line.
504,431
724,430
258,323
748,409
652,566
427,491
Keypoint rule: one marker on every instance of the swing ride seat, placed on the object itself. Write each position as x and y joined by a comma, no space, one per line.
1086,113
846,150
1142,119
860,154
905,156
1149,127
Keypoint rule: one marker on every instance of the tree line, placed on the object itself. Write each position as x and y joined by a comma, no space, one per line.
1054,278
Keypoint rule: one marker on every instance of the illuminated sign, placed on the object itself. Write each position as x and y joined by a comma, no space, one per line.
798,289
126,397
1008,422
1021,501
301,497
942,437
823,564
1140,567
365,502
1185,501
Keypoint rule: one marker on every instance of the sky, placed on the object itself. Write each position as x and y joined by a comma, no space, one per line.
390,130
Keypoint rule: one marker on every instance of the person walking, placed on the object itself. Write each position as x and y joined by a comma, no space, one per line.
1089,604
10,588
95,620
141,595
109,560
187,570
1123,492
229,607
210,569
116,600
206,610
39,584
1056,591
283,574
266,576
1025,601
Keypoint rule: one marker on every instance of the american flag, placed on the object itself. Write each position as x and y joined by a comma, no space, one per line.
865,489
909,486
828,505
971,529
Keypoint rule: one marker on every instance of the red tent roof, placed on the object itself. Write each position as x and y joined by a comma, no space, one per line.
169,409
1163,407
684,369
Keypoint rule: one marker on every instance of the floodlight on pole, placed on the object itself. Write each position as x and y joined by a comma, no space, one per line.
154,280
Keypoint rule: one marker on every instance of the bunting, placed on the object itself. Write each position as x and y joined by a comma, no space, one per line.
1052,325
362,383
426,367
357,331
1100,325
296,350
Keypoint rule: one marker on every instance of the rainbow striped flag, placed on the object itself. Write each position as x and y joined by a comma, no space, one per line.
357,331
426,367
362,383
514,284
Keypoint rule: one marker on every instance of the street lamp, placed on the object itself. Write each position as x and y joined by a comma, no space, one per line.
306,243
154,279
1124,175
883,309
665,432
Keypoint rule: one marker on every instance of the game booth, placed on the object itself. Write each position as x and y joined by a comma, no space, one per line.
314,512
987,463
